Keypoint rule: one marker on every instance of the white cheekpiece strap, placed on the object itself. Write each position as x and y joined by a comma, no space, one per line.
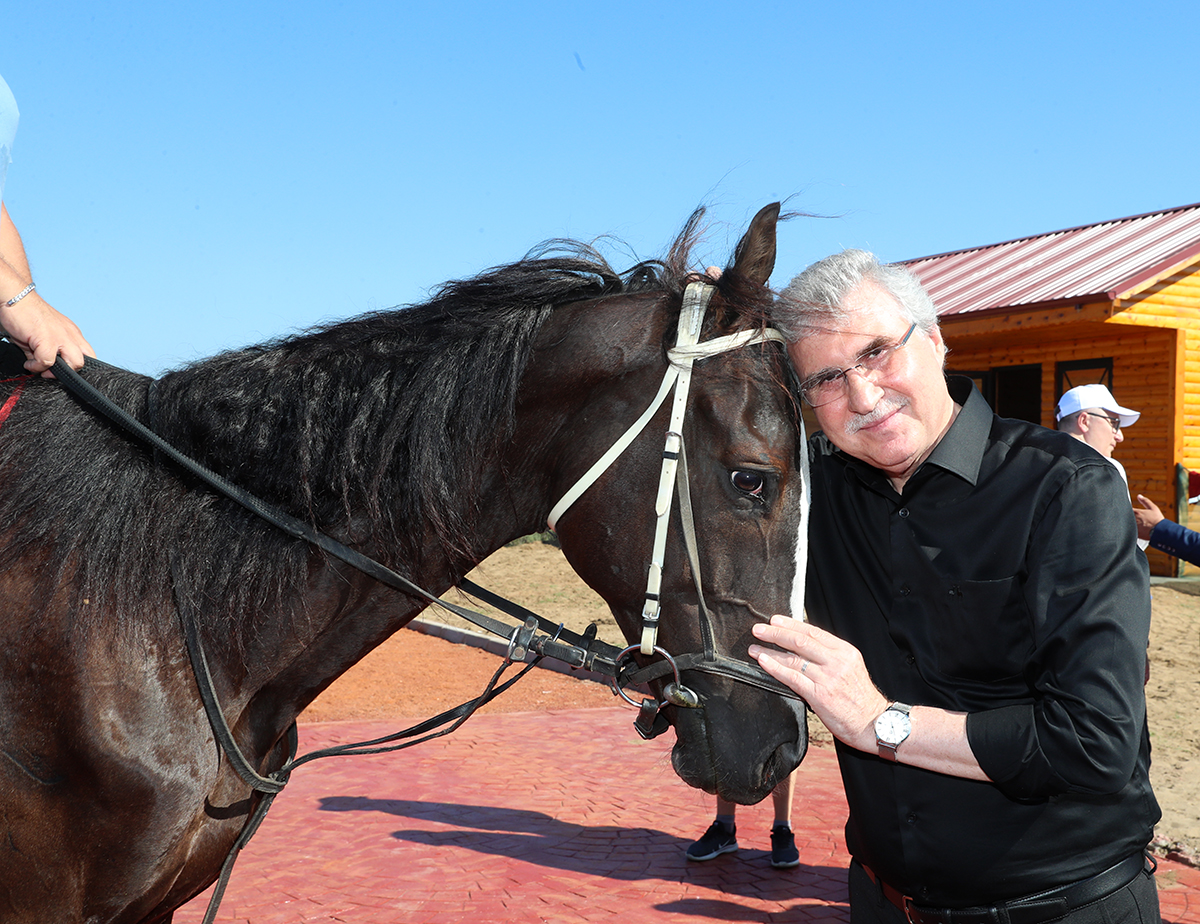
691,319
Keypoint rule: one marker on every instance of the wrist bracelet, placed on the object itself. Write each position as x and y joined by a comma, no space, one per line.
20,295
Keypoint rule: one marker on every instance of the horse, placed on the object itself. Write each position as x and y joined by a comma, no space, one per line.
426,436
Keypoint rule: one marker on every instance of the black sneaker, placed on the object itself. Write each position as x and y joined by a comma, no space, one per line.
717,840
784,854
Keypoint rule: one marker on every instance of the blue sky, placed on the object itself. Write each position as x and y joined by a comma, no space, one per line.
194,177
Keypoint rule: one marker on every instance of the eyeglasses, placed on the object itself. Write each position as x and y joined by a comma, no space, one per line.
827,387
1114,422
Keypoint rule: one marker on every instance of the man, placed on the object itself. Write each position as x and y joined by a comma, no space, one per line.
979,622
26,318
1091,414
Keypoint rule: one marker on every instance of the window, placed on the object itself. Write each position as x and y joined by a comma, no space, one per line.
1082,372
1019,392
1012,391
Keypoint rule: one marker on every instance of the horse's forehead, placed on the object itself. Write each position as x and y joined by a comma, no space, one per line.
747,398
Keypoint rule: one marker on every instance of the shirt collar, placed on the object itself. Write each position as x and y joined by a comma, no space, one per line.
960,451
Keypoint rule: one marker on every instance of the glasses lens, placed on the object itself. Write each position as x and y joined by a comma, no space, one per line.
828,389
823,391
878,360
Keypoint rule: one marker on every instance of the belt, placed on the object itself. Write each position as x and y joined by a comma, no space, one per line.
1030,909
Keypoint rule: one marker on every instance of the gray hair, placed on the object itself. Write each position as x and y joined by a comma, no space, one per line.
814,297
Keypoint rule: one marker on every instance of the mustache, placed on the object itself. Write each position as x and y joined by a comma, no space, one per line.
887,405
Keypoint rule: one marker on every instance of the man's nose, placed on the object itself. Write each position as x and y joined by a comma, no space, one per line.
1119,435
862,394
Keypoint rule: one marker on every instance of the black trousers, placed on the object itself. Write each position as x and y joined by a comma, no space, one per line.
1137,903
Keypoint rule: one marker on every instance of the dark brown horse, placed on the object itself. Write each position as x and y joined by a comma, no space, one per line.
427,437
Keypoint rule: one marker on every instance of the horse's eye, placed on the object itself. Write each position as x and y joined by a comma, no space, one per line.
751,483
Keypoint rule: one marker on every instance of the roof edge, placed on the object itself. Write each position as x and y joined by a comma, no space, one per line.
1090,298
1136,283
1033,237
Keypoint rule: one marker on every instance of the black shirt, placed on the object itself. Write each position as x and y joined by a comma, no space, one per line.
1005,582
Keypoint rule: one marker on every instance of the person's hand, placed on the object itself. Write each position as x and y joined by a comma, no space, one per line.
1148,517
43,333
827,672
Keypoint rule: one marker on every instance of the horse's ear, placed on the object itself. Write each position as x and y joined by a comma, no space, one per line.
754,258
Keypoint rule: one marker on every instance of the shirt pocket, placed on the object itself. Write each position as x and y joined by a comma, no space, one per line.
983,631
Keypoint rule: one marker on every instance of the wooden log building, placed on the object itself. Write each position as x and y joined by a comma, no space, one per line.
1117,303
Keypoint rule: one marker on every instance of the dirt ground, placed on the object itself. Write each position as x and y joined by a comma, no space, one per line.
414,676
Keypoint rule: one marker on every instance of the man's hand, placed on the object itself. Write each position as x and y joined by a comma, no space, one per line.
43,333
31,322
827,672
831,676
1147,518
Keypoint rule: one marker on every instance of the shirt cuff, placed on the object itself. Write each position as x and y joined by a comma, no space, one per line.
1004,741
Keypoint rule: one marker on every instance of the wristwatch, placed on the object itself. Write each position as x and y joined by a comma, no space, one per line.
891,728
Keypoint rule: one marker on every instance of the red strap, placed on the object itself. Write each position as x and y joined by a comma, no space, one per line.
8,406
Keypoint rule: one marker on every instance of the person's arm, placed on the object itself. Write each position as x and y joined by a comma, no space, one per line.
1176,539
1086,592
837,687
1166,535
32,323
1148,517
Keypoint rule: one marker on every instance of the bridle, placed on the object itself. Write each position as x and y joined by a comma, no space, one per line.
673,477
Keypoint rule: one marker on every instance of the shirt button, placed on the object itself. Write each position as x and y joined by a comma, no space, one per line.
911,659
905,590
903,513
912,818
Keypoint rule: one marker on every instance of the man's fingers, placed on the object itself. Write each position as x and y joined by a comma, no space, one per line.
787,668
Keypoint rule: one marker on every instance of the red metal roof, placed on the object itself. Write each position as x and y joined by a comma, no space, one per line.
1106,260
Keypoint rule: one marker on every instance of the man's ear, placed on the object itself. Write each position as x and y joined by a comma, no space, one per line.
939,343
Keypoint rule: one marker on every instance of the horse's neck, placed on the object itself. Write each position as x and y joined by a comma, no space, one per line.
555,432
351,614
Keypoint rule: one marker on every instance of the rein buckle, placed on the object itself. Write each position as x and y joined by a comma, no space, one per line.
519,641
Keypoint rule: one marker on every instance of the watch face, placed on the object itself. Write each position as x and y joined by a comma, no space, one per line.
892,727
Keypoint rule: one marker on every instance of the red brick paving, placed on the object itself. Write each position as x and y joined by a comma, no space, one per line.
530,817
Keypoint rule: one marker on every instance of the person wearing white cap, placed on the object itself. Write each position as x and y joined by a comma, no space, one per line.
1090,413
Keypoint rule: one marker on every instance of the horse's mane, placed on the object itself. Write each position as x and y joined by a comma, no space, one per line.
385,415
377,423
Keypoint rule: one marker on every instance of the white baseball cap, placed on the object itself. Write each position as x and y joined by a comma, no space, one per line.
1082,397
